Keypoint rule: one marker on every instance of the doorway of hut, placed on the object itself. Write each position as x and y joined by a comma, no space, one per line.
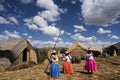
25,55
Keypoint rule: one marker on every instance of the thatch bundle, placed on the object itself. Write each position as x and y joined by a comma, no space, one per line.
22,65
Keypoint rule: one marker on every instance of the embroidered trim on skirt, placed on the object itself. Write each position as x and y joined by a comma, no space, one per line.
54,69
67,68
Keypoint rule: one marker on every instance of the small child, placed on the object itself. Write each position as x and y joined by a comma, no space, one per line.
114,53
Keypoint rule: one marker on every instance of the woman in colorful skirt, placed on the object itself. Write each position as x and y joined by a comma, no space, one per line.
90,64
54,66
67,66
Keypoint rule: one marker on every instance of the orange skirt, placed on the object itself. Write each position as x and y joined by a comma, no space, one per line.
67,68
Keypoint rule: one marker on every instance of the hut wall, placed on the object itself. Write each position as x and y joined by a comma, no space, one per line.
33,57
6,57
28,56
78,53
119,52
5,62
19,59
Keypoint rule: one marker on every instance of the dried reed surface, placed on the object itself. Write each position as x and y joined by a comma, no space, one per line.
108,69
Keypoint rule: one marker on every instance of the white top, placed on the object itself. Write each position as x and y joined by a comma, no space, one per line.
55,59
89,56
67,58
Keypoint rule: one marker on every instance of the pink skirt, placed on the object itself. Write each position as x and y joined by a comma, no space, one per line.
90,65
67,68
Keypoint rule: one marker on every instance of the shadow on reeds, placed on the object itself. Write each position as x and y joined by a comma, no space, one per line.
114,63
48,73
83,72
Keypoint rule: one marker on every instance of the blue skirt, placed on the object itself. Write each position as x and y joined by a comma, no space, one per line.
54,69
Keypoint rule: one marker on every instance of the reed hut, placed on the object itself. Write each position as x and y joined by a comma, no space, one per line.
77,52
97,50
113,47
13,52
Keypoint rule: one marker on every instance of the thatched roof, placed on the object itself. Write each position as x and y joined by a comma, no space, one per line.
76,45
14,46
117,45
97,48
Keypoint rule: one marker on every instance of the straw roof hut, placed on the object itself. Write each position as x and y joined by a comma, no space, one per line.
113,47
77,51
13,52
97,50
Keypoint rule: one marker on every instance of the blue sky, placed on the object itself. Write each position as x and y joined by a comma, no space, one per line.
90,22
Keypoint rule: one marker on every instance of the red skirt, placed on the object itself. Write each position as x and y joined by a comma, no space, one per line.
67,68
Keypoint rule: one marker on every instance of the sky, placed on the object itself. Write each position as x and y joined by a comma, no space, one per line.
90,22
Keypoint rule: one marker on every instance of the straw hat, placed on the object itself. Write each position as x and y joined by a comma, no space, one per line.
54,51
66,52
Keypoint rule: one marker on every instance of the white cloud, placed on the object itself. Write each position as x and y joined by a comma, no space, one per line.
15,32
102,31
55,38
114,37
42,19
28,20
51,31
32,26
3,37
40,44
73,2
2,8
81,0
49,4
100,12
63,10
13,35
50,15
79,37
115,22
3,20
65,0
26,1
25,34
29,37
68,33
52,10
41,22
9,35
79,28
14,20
98,43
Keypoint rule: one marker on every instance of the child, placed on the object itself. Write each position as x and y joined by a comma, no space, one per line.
114,53
90,64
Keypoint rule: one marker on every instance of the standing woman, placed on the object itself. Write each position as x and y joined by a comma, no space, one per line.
67,66
54,66
90,64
